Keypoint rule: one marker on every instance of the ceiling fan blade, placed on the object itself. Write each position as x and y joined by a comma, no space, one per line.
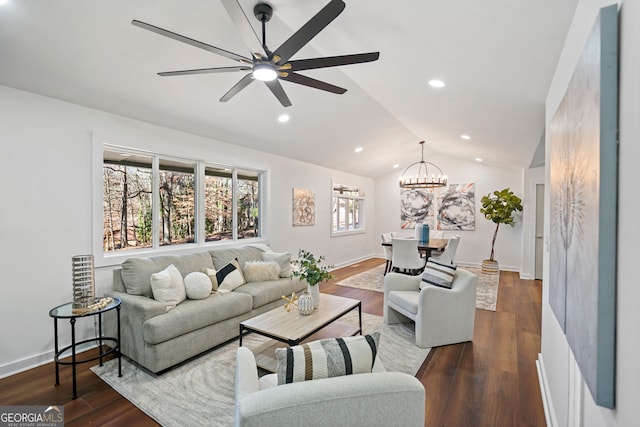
333,61
204,71
189,41
244,27
278,91
309,30
316,84
244,82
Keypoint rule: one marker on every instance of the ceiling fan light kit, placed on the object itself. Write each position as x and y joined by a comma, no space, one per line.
266,65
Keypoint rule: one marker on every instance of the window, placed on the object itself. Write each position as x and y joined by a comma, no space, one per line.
151,201
347,210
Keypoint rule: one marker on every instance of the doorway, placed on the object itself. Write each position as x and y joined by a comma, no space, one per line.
539,231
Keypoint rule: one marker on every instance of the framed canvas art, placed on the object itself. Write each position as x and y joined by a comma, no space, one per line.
583,221
304,207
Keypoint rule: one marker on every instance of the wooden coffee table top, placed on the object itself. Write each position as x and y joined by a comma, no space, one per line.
292,326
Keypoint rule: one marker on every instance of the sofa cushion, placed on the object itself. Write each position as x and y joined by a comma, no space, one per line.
283,259
136,272
272,290
192,315
198,285
222,257
327,358
168,287
229,277
260,271
438,273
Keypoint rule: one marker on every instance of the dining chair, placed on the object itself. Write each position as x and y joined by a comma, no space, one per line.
406,257
449,253
388,252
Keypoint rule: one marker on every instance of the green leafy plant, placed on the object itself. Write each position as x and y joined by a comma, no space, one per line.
309,268
499,207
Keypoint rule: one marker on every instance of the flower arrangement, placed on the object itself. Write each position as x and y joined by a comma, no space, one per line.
308,268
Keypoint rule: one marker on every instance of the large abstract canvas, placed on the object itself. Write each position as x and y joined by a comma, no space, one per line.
447,208
583,185
456,207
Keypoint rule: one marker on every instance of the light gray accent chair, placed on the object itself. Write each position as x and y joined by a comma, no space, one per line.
448,255
376,399
406,257
442,316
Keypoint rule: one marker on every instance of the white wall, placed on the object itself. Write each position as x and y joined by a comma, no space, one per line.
571,401
46,212
474,245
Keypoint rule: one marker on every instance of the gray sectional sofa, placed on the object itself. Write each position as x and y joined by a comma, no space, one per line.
158,339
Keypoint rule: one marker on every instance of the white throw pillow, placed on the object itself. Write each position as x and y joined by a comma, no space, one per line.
229,277
261,271
283,259
198,285
168,287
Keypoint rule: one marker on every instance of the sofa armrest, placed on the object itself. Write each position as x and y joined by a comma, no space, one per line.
246,373
376,399
140,307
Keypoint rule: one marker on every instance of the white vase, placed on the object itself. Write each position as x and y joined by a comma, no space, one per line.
315,294
305,304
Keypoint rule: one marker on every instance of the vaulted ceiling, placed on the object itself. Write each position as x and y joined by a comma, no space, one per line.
496,57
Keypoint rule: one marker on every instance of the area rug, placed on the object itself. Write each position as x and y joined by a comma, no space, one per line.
373,280
201,392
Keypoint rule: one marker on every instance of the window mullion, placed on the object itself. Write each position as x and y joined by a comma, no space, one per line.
155,216
199,237
234,203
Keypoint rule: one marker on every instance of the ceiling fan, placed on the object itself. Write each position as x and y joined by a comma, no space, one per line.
264,64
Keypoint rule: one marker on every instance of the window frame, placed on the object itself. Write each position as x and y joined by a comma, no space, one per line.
109,258
353,200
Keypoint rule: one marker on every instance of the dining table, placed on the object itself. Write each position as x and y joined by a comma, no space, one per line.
426,247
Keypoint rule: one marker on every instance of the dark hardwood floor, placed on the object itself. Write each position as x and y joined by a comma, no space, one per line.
491,381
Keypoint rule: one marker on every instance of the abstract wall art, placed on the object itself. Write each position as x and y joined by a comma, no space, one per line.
446,208
304,207
456,207
583,220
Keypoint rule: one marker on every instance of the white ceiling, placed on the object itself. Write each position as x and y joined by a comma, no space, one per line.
497,58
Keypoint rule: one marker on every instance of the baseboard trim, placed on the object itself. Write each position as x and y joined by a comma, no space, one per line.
547,403
36,360
356,260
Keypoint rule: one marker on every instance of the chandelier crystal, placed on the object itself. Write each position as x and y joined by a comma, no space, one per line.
422,174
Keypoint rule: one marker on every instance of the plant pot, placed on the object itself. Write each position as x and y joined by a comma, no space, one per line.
315,294
490,267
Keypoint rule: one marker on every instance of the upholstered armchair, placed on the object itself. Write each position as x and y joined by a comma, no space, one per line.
442,316
372,399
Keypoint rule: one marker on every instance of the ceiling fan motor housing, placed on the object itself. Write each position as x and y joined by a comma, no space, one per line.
263,12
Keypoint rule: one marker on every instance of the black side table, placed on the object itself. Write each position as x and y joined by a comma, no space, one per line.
65,312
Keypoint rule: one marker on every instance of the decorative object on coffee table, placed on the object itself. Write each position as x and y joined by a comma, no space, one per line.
499,207
84,291
305,304
308,268
290,301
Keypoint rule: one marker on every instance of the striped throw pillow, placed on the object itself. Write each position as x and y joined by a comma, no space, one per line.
438,274
327,358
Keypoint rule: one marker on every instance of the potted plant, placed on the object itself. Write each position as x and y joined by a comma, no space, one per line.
308,268
499,207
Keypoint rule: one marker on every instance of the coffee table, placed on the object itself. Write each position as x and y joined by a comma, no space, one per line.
292,328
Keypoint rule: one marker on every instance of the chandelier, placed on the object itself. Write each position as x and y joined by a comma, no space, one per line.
419,176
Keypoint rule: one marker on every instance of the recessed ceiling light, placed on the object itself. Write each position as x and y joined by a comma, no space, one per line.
4,1
283,118
478,159
358,150
396,166
465,137
436,83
